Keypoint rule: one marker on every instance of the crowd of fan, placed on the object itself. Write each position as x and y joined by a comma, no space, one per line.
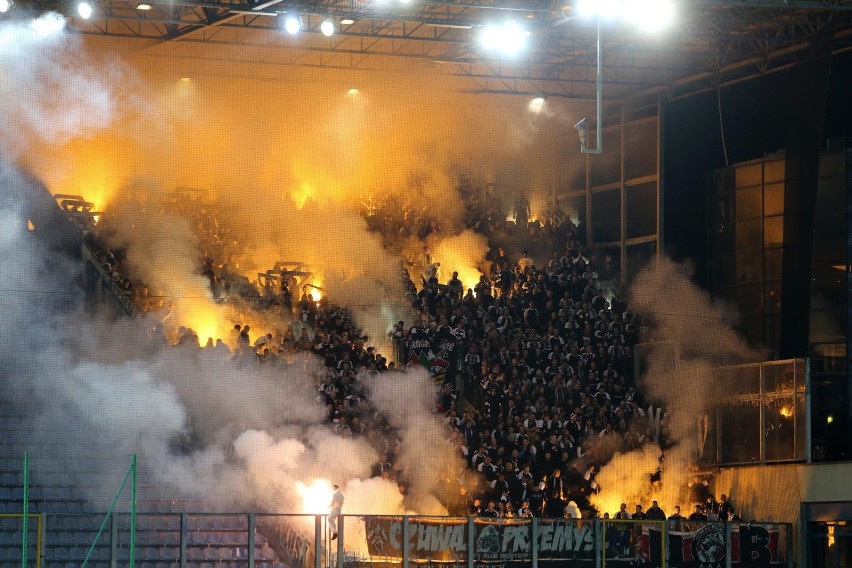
549,355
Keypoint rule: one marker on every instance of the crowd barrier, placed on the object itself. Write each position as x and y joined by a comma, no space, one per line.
197,540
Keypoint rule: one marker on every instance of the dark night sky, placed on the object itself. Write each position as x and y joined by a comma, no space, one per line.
755,123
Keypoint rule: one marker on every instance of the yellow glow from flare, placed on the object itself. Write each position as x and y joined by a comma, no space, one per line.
91,168
468,275
30,225
301,194
316,292
786,411
203,319
316,497
610,504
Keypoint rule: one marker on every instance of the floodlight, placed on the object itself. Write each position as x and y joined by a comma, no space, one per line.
327,28
508,38
5,5
536,105
651,15
144,6
292,23
85,10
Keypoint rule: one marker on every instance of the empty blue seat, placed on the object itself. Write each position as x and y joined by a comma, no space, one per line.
210,553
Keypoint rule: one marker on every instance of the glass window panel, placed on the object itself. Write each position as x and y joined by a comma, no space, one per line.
827,326
614,253
723,210
772,297
748,268
606,216
740,434
577,212
832,164
641,214
772,263
749,300
749,235
722,273
752,329
726,271
749,203
830,218
641,146
723,182
722,239
828,293
773,171
606,167
773,231
771,330
779,430
749,175
778,377
773,199
638,256
744,379
829,261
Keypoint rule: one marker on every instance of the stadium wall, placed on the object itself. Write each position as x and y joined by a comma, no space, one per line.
786,493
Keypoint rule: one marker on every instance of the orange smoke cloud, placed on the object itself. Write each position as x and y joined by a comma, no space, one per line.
286,160
462,253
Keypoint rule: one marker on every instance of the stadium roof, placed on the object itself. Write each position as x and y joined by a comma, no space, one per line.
715,42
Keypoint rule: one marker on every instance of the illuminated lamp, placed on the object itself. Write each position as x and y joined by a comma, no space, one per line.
536,105
5,5
327,28
508,38
84,9
292,23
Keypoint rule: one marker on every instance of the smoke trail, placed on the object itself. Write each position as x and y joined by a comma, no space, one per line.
690,335
235,434
425,455
53,90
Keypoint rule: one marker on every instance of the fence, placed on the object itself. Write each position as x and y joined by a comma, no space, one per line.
193,540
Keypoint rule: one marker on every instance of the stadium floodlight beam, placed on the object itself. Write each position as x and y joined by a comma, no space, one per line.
508,38
651,15
292,24
648,15
84,9
327,28
536,105
5,5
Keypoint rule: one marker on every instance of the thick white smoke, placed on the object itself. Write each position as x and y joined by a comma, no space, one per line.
234,434
52,90
689,335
